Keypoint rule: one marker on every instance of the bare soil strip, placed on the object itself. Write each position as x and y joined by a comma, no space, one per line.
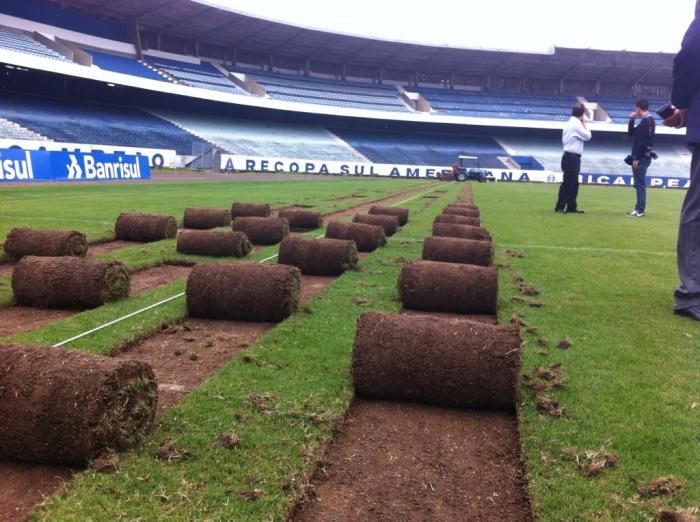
397,461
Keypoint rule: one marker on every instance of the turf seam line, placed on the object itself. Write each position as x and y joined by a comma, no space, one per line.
149,307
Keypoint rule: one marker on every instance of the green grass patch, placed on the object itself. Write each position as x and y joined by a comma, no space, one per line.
631,374
282,409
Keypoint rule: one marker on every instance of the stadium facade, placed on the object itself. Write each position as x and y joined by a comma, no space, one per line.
189,84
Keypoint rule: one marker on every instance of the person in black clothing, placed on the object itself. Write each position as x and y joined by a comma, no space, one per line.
641,153
574,135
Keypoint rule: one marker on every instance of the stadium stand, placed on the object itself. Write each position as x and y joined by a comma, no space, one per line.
422,148
124,65
497,105
22,43
258,138
203,75
13,131
75,122
619,107
323,91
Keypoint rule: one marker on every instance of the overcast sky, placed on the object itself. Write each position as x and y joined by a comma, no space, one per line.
523,25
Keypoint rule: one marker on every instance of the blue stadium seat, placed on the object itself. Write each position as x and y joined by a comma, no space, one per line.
124,65
202,75
22,43
96,124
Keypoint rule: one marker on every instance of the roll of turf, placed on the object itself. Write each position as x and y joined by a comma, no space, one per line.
461,211
367,237
458,220
250,210
145,227
213,243
22,242
243,291
68,282
456,250
64,407
302,219
458,204
325,257
205,218
448,362
433,286
390,224
461,231
399,212
262,230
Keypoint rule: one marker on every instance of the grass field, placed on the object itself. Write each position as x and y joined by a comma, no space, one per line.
606,282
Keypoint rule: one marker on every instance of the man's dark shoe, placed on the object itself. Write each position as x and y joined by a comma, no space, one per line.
693,313
577,211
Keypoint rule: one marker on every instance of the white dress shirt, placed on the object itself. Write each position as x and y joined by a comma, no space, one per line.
574,135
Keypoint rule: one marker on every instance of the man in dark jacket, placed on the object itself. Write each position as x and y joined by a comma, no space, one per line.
686,100
641,153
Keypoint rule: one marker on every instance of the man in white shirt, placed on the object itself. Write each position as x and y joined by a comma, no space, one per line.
574,135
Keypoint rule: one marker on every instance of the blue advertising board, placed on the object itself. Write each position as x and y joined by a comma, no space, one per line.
22,166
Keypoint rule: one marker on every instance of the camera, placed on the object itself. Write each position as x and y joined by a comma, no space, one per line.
665,111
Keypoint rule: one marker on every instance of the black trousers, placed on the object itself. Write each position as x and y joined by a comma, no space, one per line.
568,191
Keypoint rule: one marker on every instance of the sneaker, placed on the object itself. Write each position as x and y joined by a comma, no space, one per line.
577,211
634,213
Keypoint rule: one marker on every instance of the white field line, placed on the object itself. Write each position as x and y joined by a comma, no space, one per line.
159,303
602,250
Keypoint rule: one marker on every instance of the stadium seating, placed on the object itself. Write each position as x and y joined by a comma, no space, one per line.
203,75
497,105
619,108
321,91
11,130
124,65
96,124
259,138
22,43
422,148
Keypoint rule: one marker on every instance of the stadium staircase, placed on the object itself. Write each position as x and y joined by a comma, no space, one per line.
13,131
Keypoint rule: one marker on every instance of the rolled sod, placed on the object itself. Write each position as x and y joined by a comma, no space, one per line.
243,291
250,210
399,212
262,230
456,250
213,243
302,219
145,227
458,220
68,282
205,218
325,257
22,242
434,286
461,231
461,211
390,224
448,362
367,237
64,407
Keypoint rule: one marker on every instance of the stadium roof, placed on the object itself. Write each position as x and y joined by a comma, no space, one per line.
197,21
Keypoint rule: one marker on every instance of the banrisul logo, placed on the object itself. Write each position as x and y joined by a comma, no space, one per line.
18,167
103,166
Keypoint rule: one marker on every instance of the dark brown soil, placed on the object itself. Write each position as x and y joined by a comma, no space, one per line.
479,318
23,486
458,220
398,462
328,257
262,230
215,243
447,362
18,319
243,291
63,407
250,210
6,268
399,212
156,276
145,227
461,231
448,287
102,248
205,218
68,282
22,242
390,224
302,219
367,238
456,250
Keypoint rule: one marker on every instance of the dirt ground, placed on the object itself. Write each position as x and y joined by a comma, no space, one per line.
399,462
